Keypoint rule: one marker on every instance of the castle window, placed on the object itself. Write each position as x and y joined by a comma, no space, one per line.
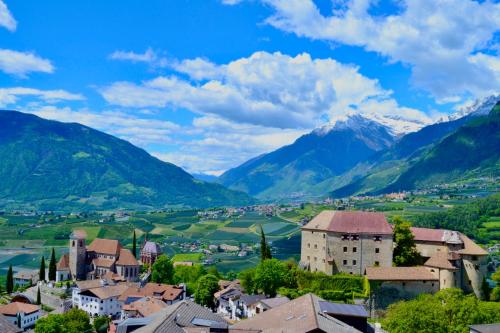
355,237
309,245
377,250
73,244
377,263
308,257
315,246
345,262
433,283
345,248
324,235
354,249
404,284
377,238
354,262
345,237
324,260
315,258
474,257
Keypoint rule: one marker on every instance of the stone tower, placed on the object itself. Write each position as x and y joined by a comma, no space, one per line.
77,254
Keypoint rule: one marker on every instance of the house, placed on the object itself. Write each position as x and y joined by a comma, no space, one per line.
347,242
455,258
26,314
303,314
6,325
62,269
98,297
234,304
182,317
266,304
354,315
26,278
101,257
485,328
168,294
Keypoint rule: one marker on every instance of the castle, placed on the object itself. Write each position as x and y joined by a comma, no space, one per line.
361,243
103,258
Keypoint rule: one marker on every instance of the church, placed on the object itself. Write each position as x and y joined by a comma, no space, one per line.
103,258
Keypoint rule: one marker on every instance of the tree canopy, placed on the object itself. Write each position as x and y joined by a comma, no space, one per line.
265,250
162,270
41,272
448,311
52,266
9,284
73,321
207,286
405,252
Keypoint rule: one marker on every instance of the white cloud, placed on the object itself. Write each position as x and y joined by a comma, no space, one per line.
267,89
231,2
9,96
443,41
23,63
139,131
149,56
6,19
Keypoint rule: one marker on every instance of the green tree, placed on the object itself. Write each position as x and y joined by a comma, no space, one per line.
52,266
73,321
495,292
162,270
134,245
38,297
247,280
189,275
41,272
485,289
207,286
270,275
9,283
405,252
101,324
265,250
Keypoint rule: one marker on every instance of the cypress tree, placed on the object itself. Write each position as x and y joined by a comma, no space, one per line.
18,317
41,274
38,297
52,266
134,246
265,250
9,284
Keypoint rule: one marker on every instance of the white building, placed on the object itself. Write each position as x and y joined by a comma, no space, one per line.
26,278
27,314
98,298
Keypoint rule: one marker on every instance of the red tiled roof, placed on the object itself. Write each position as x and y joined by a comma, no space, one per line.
63,263
164,291
14,308
105,246
126,258
419,273
427,234
103,262
351,222
440,260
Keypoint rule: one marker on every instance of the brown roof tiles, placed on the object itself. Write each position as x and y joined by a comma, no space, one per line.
105,246
351,222
12,309
126,258
419,273
63,264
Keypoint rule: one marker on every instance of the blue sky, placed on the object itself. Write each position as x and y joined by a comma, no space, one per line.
209,84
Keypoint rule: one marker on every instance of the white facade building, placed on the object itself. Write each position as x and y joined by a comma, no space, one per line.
98,301
27,314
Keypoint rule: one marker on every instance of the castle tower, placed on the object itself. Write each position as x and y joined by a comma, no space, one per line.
77,254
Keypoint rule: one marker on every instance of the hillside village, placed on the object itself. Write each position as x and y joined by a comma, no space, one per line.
354,248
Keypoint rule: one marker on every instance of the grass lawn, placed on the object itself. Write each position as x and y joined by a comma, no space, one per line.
194,257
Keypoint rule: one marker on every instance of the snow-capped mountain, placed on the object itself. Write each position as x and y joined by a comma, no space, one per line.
480,107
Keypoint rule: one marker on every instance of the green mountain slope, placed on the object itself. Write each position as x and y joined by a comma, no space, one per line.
52,165
439,153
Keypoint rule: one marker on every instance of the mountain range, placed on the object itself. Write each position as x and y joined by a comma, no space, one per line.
50,165
357,155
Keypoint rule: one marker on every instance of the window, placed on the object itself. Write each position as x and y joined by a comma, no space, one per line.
345,248
345,237
315,246
345,262
308,257
354,262
315,258
308,244
324,260
355,237
474,257
377,263
377,250
377,238
354,249
324,235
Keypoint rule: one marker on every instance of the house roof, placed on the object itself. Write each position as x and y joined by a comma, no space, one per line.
103,262
353,310
485,328
440,260
471,248
274,302
26,275
106,292
300,315
350,222
7,327
12,309
436,235
251,299
78,234
63,263
105,246
126,258
182,315
145,306
233,285
418,273
89,284
164,291
151,247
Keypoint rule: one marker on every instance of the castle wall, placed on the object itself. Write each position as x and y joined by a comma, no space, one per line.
473,271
